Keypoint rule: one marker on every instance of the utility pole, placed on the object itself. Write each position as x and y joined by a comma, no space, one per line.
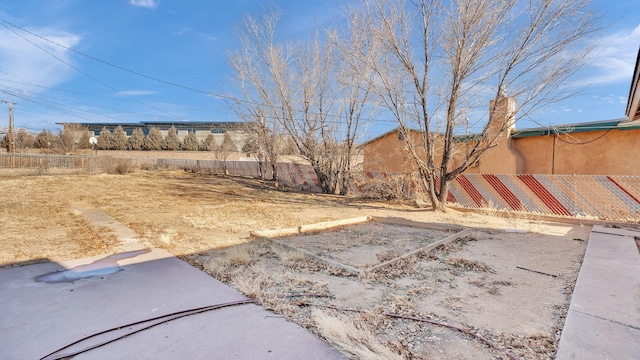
10,103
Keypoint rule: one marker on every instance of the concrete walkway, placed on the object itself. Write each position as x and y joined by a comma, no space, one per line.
604,316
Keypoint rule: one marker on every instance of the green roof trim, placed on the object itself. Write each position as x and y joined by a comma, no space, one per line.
467,138
571,128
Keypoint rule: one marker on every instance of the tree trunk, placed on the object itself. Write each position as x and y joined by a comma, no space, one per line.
428,183
324,182
442,196
274,172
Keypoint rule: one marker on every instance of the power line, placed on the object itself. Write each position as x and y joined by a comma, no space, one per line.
106,62
43,104
32,84
5,23
76,68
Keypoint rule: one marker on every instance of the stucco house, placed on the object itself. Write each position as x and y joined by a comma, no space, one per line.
610,147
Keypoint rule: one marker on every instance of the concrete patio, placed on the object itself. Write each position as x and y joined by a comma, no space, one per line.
45,308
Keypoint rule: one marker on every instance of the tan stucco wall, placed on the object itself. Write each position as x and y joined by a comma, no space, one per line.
387,153
590,153
536,152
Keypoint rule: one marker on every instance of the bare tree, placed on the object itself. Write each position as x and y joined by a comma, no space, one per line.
44,139
67,140
436,60
298,89
23,140
257,105
84,141
265,143
225,150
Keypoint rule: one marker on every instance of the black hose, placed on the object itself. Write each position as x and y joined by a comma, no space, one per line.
165,318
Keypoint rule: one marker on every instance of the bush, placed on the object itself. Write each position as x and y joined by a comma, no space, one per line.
119,139
153,141
386,188
119,166
136,140
172,141
190,142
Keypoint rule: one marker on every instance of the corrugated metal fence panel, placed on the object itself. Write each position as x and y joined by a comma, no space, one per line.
298,175
609,197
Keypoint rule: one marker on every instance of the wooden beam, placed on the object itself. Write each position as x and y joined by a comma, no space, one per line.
423,249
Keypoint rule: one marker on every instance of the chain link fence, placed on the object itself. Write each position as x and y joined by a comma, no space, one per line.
42,164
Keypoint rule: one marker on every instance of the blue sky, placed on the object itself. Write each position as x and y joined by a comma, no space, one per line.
187,43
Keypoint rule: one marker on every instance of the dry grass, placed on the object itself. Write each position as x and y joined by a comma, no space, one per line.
252,282
115,166
167,236
490,209
525,222
238,255
288,256
353,337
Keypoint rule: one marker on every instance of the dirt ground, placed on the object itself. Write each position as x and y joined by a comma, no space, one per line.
509,281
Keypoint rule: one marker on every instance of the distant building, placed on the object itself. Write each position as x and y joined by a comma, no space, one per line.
200,128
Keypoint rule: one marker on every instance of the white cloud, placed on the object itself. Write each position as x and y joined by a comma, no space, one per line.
149,4
183,30
189,30
613,59
24,61
135,92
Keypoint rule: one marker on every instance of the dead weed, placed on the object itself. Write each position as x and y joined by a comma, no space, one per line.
469,265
